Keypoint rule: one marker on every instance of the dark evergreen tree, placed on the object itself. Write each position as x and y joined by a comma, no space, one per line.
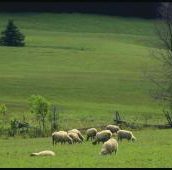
11,36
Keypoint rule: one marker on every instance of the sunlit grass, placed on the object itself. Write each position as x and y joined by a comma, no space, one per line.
89,65
151,150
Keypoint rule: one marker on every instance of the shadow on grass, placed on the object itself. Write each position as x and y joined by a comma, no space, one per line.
60,47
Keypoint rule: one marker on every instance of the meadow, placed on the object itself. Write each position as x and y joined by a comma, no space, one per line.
89,66
151,150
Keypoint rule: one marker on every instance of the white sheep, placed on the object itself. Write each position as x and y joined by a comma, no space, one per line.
109,146
78,132
125,134
62,137
75,137
91,133
102,136
113,128
43,153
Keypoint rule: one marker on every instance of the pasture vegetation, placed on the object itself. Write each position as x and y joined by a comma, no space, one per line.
89,66
151,150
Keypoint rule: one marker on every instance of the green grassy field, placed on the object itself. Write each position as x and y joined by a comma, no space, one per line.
151,150
88,65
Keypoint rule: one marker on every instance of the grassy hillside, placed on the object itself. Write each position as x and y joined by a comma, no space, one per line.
89,65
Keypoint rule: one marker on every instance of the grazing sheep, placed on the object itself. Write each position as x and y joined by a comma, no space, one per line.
109,146
75,137
91,133
102,136
78,132
124,134
43,153
62,137
113,128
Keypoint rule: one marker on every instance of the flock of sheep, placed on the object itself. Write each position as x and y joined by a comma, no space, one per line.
107,137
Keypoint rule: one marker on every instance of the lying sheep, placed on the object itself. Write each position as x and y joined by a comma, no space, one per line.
78,132
109,146
91,133
75,137
124,134
43,153
102,136
113,128
62,137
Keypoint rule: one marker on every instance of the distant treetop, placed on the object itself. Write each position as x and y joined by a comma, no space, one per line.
12,36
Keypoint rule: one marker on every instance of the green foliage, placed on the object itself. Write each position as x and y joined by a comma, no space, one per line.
3,109
3,113
40,107
18,127
11,36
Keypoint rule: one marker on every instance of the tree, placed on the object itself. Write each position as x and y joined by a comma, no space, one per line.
39,106
162,75
11,36
54,118
164,32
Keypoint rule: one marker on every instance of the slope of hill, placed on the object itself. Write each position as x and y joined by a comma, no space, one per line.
89,65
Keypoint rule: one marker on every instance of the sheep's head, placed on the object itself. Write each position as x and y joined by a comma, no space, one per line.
133,138
94,142
103,152
34,154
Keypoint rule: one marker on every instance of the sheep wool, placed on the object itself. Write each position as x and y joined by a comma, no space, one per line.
75,137
43,153
102,136
78,132
124,134
113,128
91,133
62,137
109,146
